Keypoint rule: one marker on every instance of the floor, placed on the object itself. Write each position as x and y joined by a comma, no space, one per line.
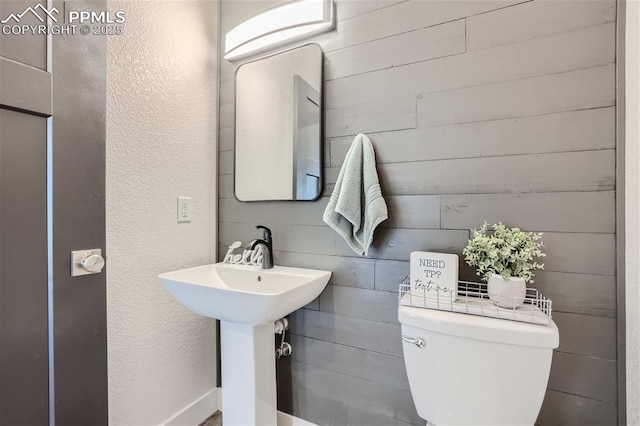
214,420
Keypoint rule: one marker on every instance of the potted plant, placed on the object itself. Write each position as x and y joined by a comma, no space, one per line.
505,259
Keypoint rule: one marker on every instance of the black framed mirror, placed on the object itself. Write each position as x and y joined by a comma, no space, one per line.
278,127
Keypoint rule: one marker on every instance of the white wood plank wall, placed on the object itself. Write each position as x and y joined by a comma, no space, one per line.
478,110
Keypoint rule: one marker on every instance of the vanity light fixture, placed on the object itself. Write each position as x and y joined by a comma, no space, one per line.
279,25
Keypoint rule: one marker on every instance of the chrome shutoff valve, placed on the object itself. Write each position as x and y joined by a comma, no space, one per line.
281,327
285,349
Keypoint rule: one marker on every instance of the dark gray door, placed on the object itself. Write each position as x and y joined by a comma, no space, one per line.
52,131
25,104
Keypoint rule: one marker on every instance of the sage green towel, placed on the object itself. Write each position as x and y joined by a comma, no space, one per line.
356,206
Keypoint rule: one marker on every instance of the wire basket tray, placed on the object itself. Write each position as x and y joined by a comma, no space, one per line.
473,298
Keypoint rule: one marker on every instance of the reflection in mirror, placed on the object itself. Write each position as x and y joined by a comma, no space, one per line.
278,127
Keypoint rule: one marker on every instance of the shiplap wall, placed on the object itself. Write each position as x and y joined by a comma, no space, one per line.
478,110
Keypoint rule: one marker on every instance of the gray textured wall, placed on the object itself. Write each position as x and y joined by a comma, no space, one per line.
478,110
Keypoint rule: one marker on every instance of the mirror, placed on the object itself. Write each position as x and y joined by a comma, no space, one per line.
278,127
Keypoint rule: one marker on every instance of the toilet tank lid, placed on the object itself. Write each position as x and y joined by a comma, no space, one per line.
480,328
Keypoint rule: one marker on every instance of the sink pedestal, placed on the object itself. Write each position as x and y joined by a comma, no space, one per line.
241,296
248,374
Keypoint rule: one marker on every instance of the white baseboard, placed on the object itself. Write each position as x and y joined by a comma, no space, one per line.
285,419
211,402
197,411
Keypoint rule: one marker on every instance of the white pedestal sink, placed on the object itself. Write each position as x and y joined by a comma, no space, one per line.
247,300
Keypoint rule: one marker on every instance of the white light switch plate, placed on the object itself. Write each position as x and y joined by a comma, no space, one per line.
184,209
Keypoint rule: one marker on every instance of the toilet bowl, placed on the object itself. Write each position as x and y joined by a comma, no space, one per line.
472,370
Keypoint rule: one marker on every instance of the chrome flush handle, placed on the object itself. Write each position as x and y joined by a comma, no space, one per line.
414,341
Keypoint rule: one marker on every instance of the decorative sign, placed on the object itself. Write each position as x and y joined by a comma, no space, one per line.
248,257
434,275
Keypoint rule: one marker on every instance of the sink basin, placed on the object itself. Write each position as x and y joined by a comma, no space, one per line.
247,300
245,294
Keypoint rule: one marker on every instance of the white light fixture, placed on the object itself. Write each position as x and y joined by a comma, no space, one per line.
280,25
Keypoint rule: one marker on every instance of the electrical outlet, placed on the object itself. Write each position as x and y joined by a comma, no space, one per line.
184,209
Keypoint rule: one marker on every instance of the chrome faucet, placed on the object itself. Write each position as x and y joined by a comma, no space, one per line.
267,243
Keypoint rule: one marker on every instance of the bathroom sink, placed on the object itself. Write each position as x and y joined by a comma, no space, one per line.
245,294
247,300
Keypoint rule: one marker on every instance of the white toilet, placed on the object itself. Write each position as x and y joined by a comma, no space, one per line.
473,370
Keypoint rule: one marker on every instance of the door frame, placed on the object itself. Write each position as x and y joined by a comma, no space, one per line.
77,219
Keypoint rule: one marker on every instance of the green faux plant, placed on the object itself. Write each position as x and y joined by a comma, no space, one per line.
509,252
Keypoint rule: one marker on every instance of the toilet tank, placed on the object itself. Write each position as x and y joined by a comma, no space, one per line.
476,370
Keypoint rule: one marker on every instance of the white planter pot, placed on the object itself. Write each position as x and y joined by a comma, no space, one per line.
507,294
